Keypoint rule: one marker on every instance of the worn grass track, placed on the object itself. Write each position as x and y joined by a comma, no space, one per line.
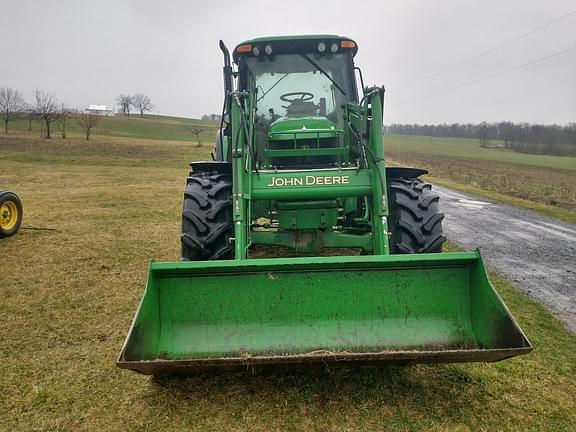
68,295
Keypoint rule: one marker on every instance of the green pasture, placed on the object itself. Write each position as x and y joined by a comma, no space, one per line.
546,184
147,127
96,212
470,149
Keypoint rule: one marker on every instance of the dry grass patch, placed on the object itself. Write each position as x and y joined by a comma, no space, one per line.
100,152
68,297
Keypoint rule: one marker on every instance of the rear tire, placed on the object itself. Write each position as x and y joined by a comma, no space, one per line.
207,217
10,213
415,220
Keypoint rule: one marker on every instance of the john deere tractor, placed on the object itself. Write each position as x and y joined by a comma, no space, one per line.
300,163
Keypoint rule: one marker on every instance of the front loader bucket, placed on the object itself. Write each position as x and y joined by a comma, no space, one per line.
425,308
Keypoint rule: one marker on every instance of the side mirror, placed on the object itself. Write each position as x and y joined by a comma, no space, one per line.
359,71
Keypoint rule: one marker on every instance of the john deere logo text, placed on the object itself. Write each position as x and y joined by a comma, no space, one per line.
309,181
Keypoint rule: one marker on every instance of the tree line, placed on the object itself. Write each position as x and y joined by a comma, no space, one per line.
46,109
520,137
213,117
140,102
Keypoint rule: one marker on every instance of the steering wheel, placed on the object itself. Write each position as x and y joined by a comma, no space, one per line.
304,97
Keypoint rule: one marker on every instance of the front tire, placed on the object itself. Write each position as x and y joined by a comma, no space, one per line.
10,213
415,220
207,217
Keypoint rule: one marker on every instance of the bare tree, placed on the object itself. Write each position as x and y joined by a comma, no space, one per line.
197,130
11,102
87,121
124,103
483,133
142,103
65,113
46,109
29,114
213,117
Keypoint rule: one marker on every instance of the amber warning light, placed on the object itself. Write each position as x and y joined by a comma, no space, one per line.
244,48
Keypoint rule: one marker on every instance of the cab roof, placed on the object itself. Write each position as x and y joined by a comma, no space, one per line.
293,43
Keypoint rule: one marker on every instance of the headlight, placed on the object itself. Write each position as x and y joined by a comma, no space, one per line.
268,49
321,47
256,51
334,47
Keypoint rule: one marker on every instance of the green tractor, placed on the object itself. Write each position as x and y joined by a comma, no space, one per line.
299,163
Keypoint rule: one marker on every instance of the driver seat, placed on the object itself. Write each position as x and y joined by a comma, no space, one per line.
300,108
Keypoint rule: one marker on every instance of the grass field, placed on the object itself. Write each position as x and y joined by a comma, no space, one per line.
543,183
95,213
470,149
147,127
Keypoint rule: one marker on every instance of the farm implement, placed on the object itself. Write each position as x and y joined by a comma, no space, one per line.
299,163
10,213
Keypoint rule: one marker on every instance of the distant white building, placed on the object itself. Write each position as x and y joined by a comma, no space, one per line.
100,110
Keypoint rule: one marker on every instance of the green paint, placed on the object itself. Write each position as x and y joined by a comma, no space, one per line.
311,184
303,127
307,152
306,165
310,241
306,219
296,306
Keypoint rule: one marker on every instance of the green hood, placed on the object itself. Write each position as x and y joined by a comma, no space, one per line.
289,128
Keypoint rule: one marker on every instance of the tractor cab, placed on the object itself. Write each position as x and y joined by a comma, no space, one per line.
300,90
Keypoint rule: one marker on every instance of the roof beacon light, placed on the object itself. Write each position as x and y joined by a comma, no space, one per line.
347,44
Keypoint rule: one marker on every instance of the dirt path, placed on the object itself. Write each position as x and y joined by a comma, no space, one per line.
536,253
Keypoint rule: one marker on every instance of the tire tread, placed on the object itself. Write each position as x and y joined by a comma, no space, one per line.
207,217
415,220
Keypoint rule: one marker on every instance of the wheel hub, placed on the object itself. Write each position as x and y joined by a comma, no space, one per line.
8,215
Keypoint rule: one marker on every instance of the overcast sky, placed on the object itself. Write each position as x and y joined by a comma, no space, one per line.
87,52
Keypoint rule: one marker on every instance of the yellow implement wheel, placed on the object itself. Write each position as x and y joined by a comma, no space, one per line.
10,213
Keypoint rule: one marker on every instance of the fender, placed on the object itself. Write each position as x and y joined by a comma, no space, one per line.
404,172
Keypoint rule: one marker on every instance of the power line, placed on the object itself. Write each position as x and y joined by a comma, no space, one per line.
486,77
489,51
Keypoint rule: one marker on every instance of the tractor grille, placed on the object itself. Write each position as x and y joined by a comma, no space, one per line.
300,147
303,144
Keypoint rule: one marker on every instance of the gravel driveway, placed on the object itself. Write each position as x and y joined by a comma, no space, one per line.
536,253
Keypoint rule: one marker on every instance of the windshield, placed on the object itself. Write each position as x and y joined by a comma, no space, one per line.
300,85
